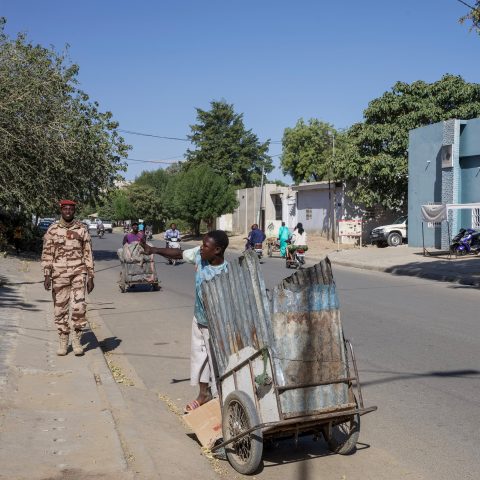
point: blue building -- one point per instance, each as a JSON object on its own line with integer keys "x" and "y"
{"x": 443, "y": 167}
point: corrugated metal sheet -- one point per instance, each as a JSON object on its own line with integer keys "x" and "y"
{"x": 308, "y": 339}
{"x": 238, "y": 309}
{"x": 300, "y": 322}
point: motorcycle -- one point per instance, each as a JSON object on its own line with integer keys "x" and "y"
{"x": 297, "y": 259}
{"x": 149, "y": 234}
{"x": 100, "y": 232}
{"x": 465, "y": 242}
{"x": 173, "y": 242}
{"x": 257, "y": 248}
{"x": 126, "y": 229}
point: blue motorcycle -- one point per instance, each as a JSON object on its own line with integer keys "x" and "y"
{"x": 467, "y": 241}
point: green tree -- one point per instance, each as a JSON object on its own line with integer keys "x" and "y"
{"x": 223, "y": 144}
{"x": 473, "y": 16}
{"x": 199, "y": 194}
{"x": 54, "y": 141}
{"x": 374, "y": 161}
{"x": 145, "y": 203}
{"x": 307, "y": 150}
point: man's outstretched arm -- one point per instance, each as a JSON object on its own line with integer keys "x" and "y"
{"x": 173, "y": 253}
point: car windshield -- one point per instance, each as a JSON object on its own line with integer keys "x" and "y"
{"x": 399, "y": 220}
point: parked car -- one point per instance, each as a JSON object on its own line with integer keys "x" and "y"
{"x": 394, "y": 234}
{"x": 44, "y": 224}
{"x": 108, "y": 224}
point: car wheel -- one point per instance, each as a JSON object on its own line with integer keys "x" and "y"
{"x": 394, "y": 239}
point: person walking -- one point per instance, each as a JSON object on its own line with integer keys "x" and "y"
{"x": 68, "y": 268}
{"x": 17, "y": 238}
{"x": 283, "y": 236}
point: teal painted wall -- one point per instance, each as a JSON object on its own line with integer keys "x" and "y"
{"x": 425, "y": 180}
{"x": 470, "y": 181}
{"x": 470, "y": 138}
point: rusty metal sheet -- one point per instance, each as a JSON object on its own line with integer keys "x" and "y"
{"x": 237, "y": 309}
{"x": 299, "y": 321}
{"x": 308, "y": 340}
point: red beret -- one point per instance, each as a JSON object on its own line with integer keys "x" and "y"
{"x": 66, "y": 202}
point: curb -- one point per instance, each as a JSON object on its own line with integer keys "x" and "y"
{"x": 401, "y": 271}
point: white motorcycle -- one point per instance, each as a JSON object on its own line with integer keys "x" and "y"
{"x": 173, "y": 242}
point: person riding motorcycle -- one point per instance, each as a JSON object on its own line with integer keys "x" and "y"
{"x": 255, "y": 236}
{"x": 171, "y": 233}
{"x": 100, "y": 227}
{"x": 298, "y": 241}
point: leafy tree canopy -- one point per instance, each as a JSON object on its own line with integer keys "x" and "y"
{"x": 473, "y": 16}
{"x": 200, "y": 194}
{"x": 54, "y": 142}
{"x": 307, "y": 150}
{"x": 375, "y": 158}
{"x": 223, "y": 144}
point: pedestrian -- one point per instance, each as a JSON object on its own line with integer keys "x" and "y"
{"x": 17, "y": 238}
{"x": 209, "y": 261}
{"x": 67, "y": 263}
{"x": 133, "y": 236}
{"x": 283, "y": 236}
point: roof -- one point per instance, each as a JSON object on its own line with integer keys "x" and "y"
{"x": 323, "y": 185}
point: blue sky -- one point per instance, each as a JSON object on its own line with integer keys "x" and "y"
{"x": 152, "y": 62}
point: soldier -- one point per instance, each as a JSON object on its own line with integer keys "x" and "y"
{"x": 67, "y": 263}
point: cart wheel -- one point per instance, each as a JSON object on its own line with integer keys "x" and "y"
{"x": 174, "y": 262}
{"x": 345, "y": 435}
{"x": 270, "y": 250}
{"x": 239, "y": 414}
{"x": 155, "y": 287}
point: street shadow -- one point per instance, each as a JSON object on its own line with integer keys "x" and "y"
{"x": 11, "y": 298}
{"x": 465, "y": 271}
{"x": 105, "y": 255}
{"x": 396, "y": 376}
{"x": 109, "y": 344}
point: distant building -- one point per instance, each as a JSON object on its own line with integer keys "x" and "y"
{"x": 443, "y": 167}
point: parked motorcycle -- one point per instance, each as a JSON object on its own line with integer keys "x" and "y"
{"x": 297, "y": 260}
{"x": 173, "y": 242}
{"x": 465, "y": 242}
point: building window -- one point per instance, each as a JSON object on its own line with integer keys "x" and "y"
{"x": 476, "y": 218}
{"x": 277, "y": 203}
{"x": 308, "y": 214}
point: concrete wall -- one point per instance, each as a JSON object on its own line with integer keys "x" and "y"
{"x": 249, "y": 203}
{"x": 430, "y": 182}
{"x": 318, "y": 202}
{"x": 425, "y": 181}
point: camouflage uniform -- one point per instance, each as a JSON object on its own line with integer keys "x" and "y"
{"x": 67, "y": 258}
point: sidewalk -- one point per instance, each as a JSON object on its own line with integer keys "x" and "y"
{"x": 404, "y": 260}
{"x": 55, "y": 420}
{"x": 401, "y": 260}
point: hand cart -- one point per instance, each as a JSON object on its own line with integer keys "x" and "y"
{"x": 284, "y": 365}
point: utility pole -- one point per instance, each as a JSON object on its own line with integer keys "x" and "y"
{"x": 261, "y": 198}
{"x": 331, "y": 201}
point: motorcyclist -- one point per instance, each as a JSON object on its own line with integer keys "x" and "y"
{"x": 298, "y": 241}
{"x": 255, "y": 236}
{"x": 172, "y": 232}
{"x": 100, "y": 226}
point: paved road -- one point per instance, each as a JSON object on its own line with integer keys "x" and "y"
{"x": 417, "y": 344}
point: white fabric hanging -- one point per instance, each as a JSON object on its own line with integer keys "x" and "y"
{"x": 434, "y": 213}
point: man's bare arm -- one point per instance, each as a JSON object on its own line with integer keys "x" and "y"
{"x": 173, "y": 253}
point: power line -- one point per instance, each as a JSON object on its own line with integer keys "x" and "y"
{"x": 154, "y": 136}
{"x": 466, "y": 4}
{"x": 131, "y": 132}
{"x": 164, "y": 162}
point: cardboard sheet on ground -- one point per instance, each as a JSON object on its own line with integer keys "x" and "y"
{"x": 206, "y": 422}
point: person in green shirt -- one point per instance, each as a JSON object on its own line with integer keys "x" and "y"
{"x": 283, "y": 236}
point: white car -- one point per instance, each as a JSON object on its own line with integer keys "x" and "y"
{"x": 394, "y": 234}
{"x": 107, "y": 224}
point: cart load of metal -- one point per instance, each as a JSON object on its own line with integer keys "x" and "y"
{"x": 284, "y": 367}
{"x": 136, "y": 267}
